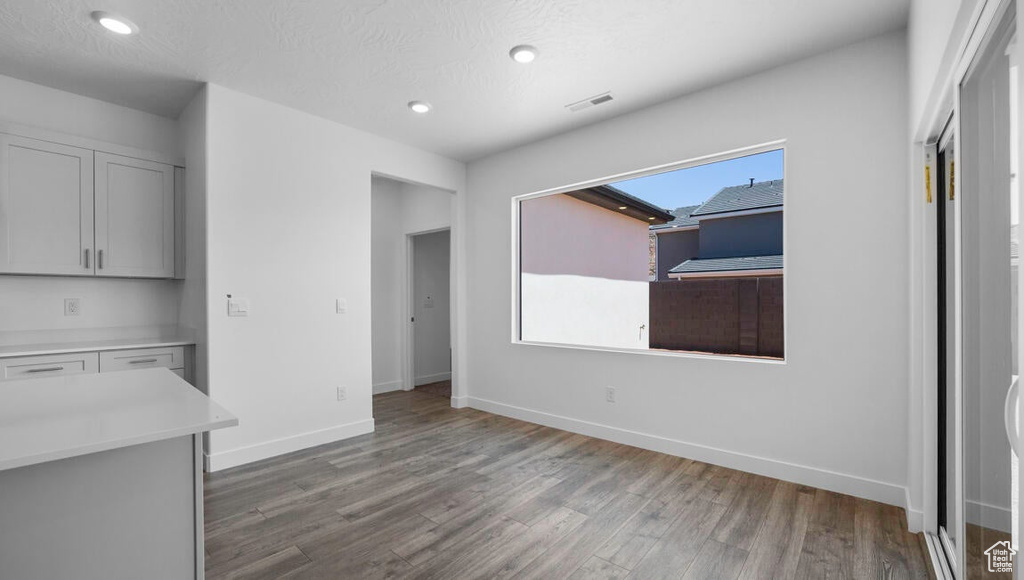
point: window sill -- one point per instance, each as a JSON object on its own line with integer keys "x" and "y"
{"x": 663, "y": 353}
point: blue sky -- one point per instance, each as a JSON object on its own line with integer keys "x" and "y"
{"x": 694, "y": 185}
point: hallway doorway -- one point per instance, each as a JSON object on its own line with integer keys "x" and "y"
{"x": 412, "y": 289}
{"x": 430, "y": 295}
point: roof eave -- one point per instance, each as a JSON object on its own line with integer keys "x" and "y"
{"x": 739, "y": 212}
{"x": 760, "y": 273}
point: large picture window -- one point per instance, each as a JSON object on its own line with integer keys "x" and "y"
{"x": 685, "y": 260}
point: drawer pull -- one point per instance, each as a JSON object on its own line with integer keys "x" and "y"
{"x": 142, "y": 361}
{"x": 45, "y": 370}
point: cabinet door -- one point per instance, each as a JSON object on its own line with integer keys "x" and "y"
{"x": 51, "y": 365}
{"x": 134, "y": 217}
{"x": 142, "y": 358}
{"x": 46, "y": 208}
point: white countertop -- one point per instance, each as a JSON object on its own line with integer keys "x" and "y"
{"x": 55, "y": 418}
{"x": 13, "y": 344}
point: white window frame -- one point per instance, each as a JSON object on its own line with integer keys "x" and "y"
{"x": 516, "y": 273}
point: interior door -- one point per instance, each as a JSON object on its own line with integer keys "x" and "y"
{"x": 134, "y": 217}
{"x": 46, "y": 208}
{"x": 987, "y": 210}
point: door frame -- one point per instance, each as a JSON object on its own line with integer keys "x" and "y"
{"x": 982, "y": 25}
{"x": 457, "y": 266}
{"x": 409, "y": 308}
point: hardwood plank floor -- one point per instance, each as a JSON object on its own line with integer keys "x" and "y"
{"x": 437, "y": 492}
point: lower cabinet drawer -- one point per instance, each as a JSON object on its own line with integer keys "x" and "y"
{"x": 51, "y": 365}
{"x": 144, "y": 358}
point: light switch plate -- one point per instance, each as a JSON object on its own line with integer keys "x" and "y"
{"x": 238, "y": 307}
{"x": 341, "y": 305}
{"x": 72, "y": 306}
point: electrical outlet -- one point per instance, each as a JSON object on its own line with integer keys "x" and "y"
{"x": 609, "y": 394}
{"x": 341, "y": 393}
{"x": 72, "y": 306}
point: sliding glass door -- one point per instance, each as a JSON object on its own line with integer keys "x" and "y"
{"x": 950, "y": 512}
{"x": 979, "y": 323}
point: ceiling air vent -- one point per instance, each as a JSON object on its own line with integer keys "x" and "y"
{"x": 589, "y": 102}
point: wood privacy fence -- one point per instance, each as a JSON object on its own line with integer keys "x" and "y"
{"x": 723, "y": 316}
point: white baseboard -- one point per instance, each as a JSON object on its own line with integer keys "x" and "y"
{"x": 427, "y": 379}
{"x": 988, "y": 516}
{"x": 460, "y": 402}
{"x": 915, "y": 517}
{"x": 382, "y": 388}
{"x": 879, "y": 491}
{"x": 241, "y": 456}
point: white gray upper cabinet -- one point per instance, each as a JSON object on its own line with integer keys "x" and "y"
{"x": 134, "y": 217}
{"x": 46, "y": 208}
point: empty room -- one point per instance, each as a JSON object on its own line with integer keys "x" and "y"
{"x": 545, "y": 289}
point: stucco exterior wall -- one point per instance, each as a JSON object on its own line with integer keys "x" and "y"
{"x": 749, "y": 235}
{"x": 562, "y": 235}
{"x": 675, "y": 248}
{"x": 584, "y": 274}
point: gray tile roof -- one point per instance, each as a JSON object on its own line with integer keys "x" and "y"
{"x": 682, "y": 219}
{"x": 743, "y": 197}
{"x": 728, "y": 264}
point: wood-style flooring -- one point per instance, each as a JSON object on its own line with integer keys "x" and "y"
{"x": 438, "y": 389}
{"x": 442, "y": 493}
{"x": 978, "y": 540}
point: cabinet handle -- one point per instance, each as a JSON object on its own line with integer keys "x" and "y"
{"x": 99, "y": 259}
{"x": 45, "y": 370}
{"x": 142, "y": 361}
{"x": 87, "y": 258}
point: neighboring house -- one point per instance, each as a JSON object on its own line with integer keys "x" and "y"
{"x": 735, "y": 233}
{"x": 676, "y": 241}
{"x": 583, "y": 262}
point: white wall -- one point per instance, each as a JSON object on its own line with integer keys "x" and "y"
{"x": 584, "y": 274}
{"x": 431, "y": 307}
{"x": 45, "y": 108}
{"x": 288, "y": 222}
{"x": 834, "y": 414}
{"x": 398, "y": 209}
{"x": 387, "y": 274}
{"x": 193, "y": 307}
{"x": 425, "y": 208}
{"x": 36, "y": 303}
{"x": 934, "y": 33}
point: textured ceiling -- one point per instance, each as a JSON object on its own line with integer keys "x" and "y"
{"x": 360, "y": 61}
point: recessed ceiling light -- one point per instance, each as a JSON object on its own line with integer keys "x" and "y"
{"x": 622, "y": 207}
{"x": 114, "y": 23}
{"x": 419, "y": 107}
{"x": 651, "y": 218}
{"x": 524, "y": 53}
